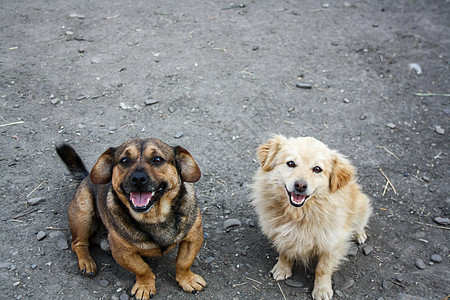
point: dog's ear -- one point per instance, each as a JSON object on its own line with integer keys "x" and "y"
{"x": 101, "y": 173}
{"x": 266, "y": 152}
{"x": 186, "y": 165}
{"x": 342, "y": 172}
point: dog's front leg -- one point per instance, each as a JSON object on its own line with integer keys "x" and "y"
{"x": 326, "y": 264}
{"x": 145, "y": 287}
{"x": 187, "y": 251}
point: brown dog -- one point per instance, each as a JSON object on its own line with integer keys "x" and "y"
{"x": 141, "y": 192}
{"x": 309, "y": 205}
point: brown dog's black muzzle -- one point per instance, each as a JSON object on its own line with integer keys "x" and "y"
{"x": 140, "y": 181}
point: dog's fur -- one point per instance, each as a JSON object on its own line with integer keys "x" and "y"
{"x": 141, "y": 193}
{"x": 309, "y": 205}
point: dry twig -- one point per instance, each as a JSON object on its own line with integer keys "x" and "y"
{"x": 388, "y": 182}
{"x": 391, "y": 153}
{"x": 279, "y": 286}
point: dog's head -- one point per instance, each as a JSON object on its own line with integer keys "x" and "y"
{"x": 304, "y": 166}
{"x": 143, "y": 171}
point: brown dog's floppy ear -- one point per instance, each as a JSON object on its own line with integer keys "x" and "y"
{"x": 341, "y": 173}
{"x": 186, "y": 165}
{"x": 101, "y": 173}
{"x": 266, "y": 152}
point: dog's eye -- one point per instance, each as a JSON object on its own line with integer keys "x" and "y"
{"x": 158, "y": 160}
{"x": 317, "y": 169}
{"x": 125, "y": 161}
{"x": 290, "y": 164}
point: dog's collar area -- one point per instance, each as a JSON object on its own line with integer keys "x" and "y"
{"x": 296, "y": 199}
{"x": 143, "y": 201}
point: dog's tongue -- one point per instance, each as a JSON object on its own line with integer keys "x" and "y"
{"x": 140, "y": 199}
{"x": 297, "y": 198}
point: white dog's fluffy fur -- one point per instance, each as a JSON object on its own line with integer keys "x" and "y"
{"x": 309, "y": 206}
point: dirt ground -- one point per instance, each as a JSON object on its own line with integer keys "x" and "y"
{"x": 218, "y": 79}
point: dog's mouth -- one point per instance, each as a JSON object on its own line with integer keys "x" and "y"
{"x": 297, "y": 200}
{"x": 143, "y": 201}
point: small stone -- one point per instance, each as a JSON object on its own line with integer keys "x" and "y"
{"x": 69, "y": 32}
{"x": 391, "y": 125}
{"x": 440, "y": 130}
{"x": 41, "y": 235}
{"x": 339, "y": 293}
{"x": 95, "y": 60}
{"x": 348, "y": 284}
{"x": 426, "y": 179}
{"x": 81, "y": 49}
{"x": 150, "y": 101}
{"x": 62, "y": 244}
{"x": 104, "y": 283}
{"x": 346, "y": 100}
{"x": 76, "y": 16}
{"x": 325, "y": 5}
{"x": 231, "y": 223}
{"x": 442, "y": 221}
{"x": 293, "y": 283}
{"x": 255, "y": 48}
{"x": 33, "y": 266}
{"x": 178, "y": 135}
{"x": 250, "y": 223}
{"x": 436, "y": 258}
{"x": 420, "y": 264}
{"x": 36, "y": 201}
{"x": 54, "y": 101}
{"x": 302, "y": 85}
{"x": 386, "y": 285}
{"x": 209, "y": 259}
{"x": 352, "y": 251}
{"x": 124, "y": 296}
{"x": 16, "y": 283}
{"x": 367, "y": 250}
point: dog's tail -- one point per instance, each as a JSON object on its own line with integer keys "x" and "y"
{"x": 72, "y": 161}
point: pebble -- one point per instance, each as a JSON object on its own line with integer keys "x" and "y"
{"x": 36, "y": 201}
{"x": 348, "y": 284}
{"x": 416, "y": 67}
{"x": 33, "y": 266}
{"x": 440, "y": 130}
{"x": 293, "y": 283}
{"x": 54, "y": 101}
{"x": 178, "y": 135}
{"x": 250, "y": 223}
{"x": 104, "y": 283}
{"x": 150, "y": 101}
{"x": 81, "y": 49}
{"x": 231, "y": 223}
{"x": 346, "y": 100}
{"x": 436, "y": 258}
{"x": 41, "y": 235}
{"x": 339, "y": 293}
{"x": 391, "y": 125}
{"x": 367, "y": 250}
{"x": 352, "y": 251}
{"x": 420, "y": 264}
{"x": 95, "y": 60}
{"x": 325, "y": 5}
{"x": 386, "y": 285}
{"x": 442, "y": 221}
{"x": 209, "y": 259}
{"x": 301, "y": 85}
{"x": 76, "y": 16}
{"x": 124, "y": 296}
{"x": 62, "y": 244}
{"x": 426, "y": 179}
{"x": 70, "y": 32}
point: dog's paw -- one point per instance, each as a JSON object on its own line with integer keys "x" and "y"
{"x": 281, "y": 272}
{"x": 191, "y": 282}
{"x": 143, "y": 291}
{"x": 322, "y": 293}
{"x": 87, "y": 266}
{"x": 361, "y": 237}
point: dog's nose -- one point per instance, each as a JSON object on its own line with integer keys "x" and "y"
{"x": 300, "y": 186}
{"x": 139, "y": 179}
